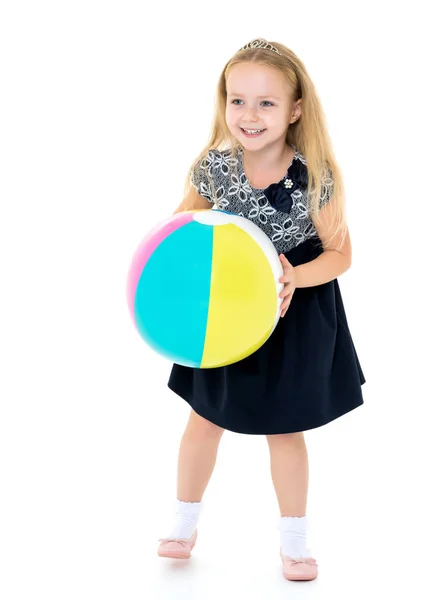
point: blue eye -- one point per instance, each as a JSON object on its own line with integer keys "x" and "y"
{"x": 271, "y": 103}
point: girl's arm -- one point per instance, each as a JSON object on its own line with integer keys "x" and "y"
{"x": 193, "y": 201}
{"x": 332, "y": 263}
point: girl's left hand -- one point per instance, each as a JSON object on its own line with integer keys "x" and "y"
{"x": 289, "y": 280}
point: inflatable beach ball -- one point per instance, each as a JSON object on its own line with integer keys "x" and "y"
{"x": 203, "y": 288}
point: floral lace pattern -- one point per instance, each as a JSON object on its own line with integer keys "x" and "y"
{"x": 280, "y": 210}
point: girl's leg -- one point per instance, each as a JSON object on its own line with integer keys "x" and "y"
{"x": 196, "y": 461}
{"x": 290, "y": 476}
{"x": 290, "y": 472}
{"x": 197, "y": 457}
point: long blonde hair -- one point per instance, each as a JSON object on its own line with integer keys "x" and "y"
{"x": 308, "y": 134}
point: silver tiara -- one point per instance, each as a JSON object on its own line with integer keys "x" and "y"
{"x": 260, "y": 43}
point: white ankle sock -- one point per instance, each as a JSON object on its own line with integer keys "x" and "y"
{"x": 185, "y": 521}
{"x": 293, "y": 536}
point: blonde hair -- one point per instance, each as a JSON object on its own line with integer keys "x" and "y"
{"x": 308, "y": 134}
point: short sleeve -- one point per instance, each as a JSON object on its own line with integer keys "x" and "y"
{"x": 327, "y": 188}
{"x": 201, "y": 177}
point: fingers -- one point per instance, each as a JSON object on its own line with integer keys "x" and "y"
{"x": 285, "y": 304}
{"x": 285, "y": 279}
{"x": 284, "y": 311}
{"x": 285, "y": 292}
{"x": 286, "y": 271}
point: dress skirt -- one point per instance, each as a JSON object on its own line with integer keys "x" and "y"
{"x": 304, "y": 376}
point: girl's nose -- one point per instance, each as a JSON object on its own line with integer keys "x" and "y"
{"x": 251, "y": 114}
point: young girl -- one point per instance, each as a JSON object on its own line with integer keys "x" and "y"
{"x": 270, "y": 160}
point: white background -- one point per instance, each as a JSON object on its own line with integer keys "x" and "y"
{"x": 103, "y": 107}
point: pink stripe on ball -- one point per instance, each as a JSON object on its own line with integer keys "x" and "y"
{"x": 146, "y": 249}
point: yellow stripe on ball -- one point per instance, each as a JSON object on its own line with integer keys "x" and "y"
{"x": 243, "y": 300}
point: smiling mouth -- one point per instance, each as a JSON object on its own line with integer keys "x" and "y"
{"x": 252, "y": 132}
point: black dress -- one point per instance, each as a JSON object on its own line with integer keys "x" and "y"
{"x": 307, "y": 373}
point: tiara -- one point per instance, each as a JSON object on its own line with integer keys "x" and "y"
{"x": 260, "y": 43}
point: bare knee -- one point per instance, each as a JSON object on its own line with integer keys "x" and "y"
{"x": 200, "y": 428}
{"x": 292, "y": 439}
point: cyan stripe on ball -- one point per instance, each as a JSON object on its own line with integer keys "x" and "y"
{"x": 173, "y": 294}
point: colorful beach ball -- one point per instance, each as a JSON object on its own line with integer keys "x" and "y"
{"x": 203, "y": 288}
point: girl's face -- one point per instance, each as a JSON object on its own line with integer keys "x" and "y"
{"x": 258, "y": 97}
